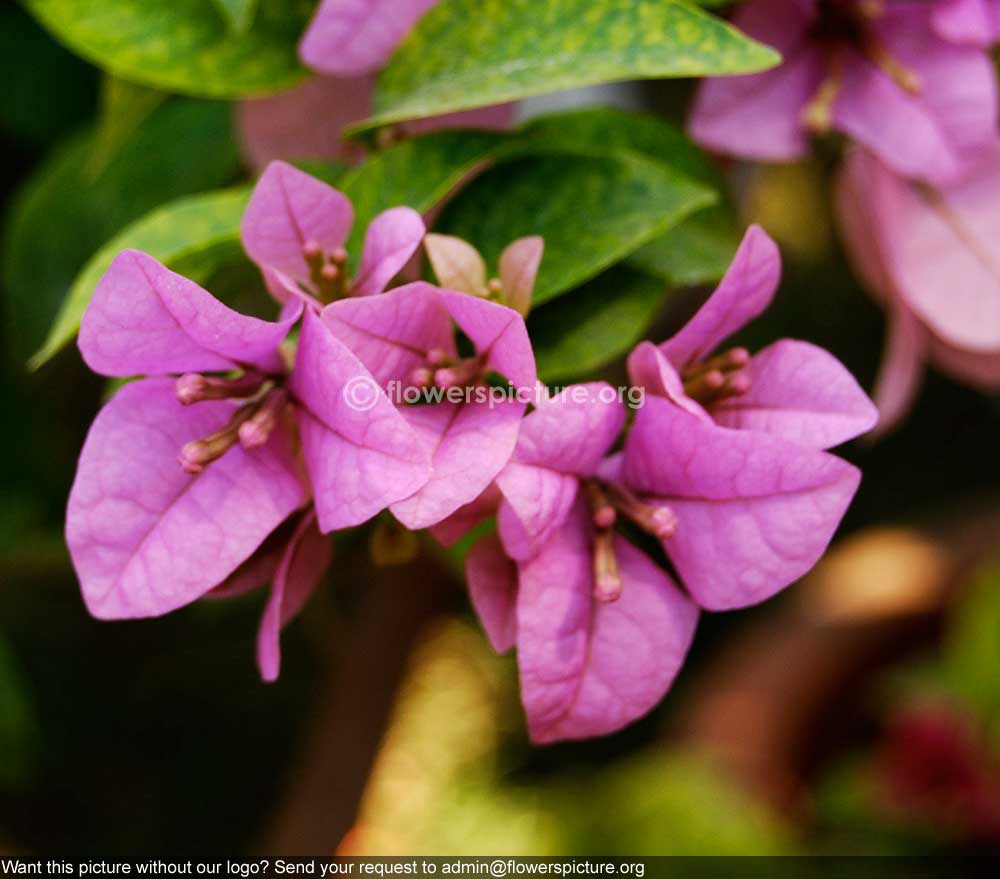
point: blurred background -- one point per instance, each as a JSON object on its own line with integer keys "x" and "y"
{"x": 859, "y": 712}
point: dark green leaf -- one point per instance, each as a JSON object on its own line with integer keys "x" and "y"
{"x": 124, "y": 107}
{"x": 472, "y": 53}
{"x": 696, "y": 251}
{"x": 183, "y": 45}
{"x": 592, "y": 211}
{"x": 972, "y": 648}
{"x": 193, "y": 234}
{"x": 579, "y": 333}
{"x": 62, "y": 215}
{"x": 49, "y": 92}
{"x": 18, "y": 727}
{"x": 418, "y": 173}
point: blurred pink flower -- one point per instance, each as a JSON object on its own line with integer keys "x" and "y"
{"x": 930, "y": 257}
{"x": 877, "y": 70}
{"x": 347, "y": 43}
{"x": 976, "y": 22}
{"x": 937, "y": 767}
{"x": 791, "y": 389}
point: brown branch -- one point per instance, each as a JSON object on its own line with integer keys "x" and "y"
{"x": 355, "y": 703}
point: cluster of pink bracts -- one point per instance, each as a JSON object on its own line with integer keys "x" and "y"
{"x": 913, "y": 85}
{"x": 222, "y": 469}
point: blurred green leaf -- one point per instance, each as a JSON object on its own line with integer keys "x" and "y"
{"x": 668, "y": 803}
{"x": 124, "y": 107}
{"x": 17, "y": 723}
{"x": 971, "y": 659}
{"x": 472, "y": 53}
{"x": 189, "y": 228}
{"x": 185, "y": 46}
{"x": 592, "y": 211}
{"x": 48, "y": 90}
{"x": 239, "y": 13}
{"x": 598, "y": 323}
{"x": 61, "y": 215}
{"x": 696, "y": 251}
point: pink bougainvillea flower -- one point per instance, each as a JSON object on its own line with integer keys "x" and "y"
{"x": 347, "y": 42}
{"x": 930, "y": 256}
{"x": 295, "y": 228}
{"x": 406, "y": 338}
{"x": 185, "y": 473}
{"x": 791, "y": 389}
{"x": 308, "y": 121}
{"x": 878, "y": 72}
{"x": 976, "y": 22}
{"x": 601, "y": 631}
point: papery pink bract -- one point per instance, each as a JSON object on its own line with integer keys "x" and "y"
{"x": 929, "y": 255}
{"x": 755, "y": 512}
{"x": 397, "y": 334}
{"x": 925, "y": 104}
{"x": 791, "y": 389}
{"x": 361, "y": 454}
{"x": 352, "y": 37}
{"x": 147, "y": 537}
{"x": 291, "y": 211}
{"x": 296, "y": 575}
{"x": 589, "y": 668}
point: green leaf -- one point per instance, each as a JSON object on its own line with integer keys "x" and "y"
{"x": 62, "y": 216}
{"x": 49, "y": 92}
{"x": 124, "y": 107}
{"x": 418, "y": 173}
{"x": 239, "y": 13}
{"x": 187, "y": 230}
{"x": 972, "y": 646}
{"x": 696, "y": 251}
{"x": 472, "y": 53}
{"x": 592, "y": 211}
{"x": 184, "y": 46}
{"x": 579, "y": 333}
{"x": 196, "y": 235}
